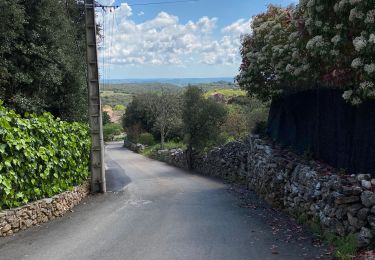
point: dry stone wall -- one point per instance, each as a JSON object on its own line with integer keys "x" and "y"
{"x": 41, "y": 211}
{"x": 342, "y": 204}
{"x": 134, "y": 147}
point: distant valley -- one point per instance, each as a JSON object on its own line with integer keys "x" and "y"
{"x": 174, "y": 81}
{"x": 116, "y": 92}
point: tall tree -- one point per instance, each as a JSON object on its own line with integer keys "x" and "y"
{"x": 167, "y": 111}
{"x": 43, "y": 62}
{"x": 156, "y": 113}
{"x": 202, "y": 119}
{"x": 139, "y": 112}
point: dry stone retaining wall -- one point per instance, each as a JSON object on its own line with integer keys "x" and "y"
{"x": 41, "y": 211}
{"x": 342, "y": 204}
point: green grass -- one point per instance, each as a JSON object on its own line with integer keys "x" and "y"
{"x": 345, "y": 247}
{"x": 112, "y": 98}
{"x": 315, "y": 228}
{"x": 234, "y": 92}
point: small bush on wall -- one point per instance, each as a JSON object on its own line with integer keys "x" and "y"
{"x": 40, "y": 156}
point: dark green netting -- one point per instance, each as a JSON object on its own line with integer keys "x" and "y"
{"x": 321, "y": 124}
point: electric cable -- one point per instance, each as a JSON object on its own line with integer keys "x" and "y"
{"x": 111, "y": 46}
{"x": 145, "y": 4}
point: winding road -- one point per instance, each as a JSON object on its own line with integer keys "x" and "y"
{"x": 156, "y": 211}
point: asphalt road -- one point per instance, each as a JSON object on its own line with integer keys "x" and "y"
{"x": 160, "y": 212}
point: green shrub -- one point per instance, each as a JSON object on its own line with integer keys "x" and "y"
{"x": 133, "y": 133}
{"x": 147, "y": 139}
{"x": 40, "y": 156}
{"x": 111, "y": 130}
{"x": 119, "y": 108}
{"x": 106, "y": 118}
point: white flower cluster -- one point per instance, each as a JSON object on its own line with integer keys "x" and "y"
{"x": 357, "y": 63}
{"x": 372, "y": 38}
{"x": 370, "y": 17}
{"x": 316, "y": 42}
{"x": 339, "y": 26}
{"x": 353, "y": 2}
{"x": 336, "y": 39}
{"x": 355, "y": 101}
{"x": 366, "y": 85}
{"x": 355, "y": 14}
{"x": 347, "y": 94}
{"x": 359, "y": 43}
{"x": 340, "y": 5}
{"x": 369, "y": 68}
{"x": 306, "y": 46}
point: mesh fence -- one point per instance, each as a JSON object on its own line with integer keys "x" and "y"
{"x": 319, "y": 123}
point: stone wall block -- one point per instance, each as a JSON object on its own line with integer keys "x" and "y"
{"x": 14, "y": 220}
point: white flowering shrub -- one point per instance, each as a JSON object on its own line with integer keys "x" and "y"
{"x": 328, "y": 43}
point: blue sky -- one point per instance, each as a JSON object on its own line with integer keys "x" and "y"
{"x": 181, "y": 40}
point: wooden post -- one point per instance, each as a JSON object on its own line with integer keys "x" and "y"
{"x": 98, "y": 183}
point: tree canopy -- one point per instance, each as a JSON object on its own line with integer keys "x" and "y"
{"x": 42, "y": 64}
{"x": 201, "y": 118}
{"x": 158, "y": 114}
{"x": 318, "y": 43}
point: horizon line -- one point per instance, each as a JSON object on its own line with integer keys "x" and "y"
{"x": 172, "y": 78}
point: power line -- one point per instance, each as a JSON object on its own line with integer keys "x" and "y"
{"x": 103, "y": 52}
{"x": 144, "y": 4}
{"x": 110, "y": 48}
{"x": 106, "y": 70}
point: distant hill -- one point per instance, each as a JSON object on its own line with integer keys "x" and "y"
{"x": 177, "y": 81}
{"x": 122, "y": 93}
{"x": 138, "y": 88}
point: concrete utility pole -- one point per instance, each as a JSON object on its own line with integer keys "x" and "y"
{"x": 98, "y": 183}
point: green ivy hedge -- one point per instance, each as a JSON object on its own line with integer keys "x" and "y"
{"x": 40, "y": 156}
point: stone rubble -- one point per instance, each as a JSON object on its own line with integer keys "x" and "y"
{"x": 41, "y": 211}
{"x": 342, "y": 204}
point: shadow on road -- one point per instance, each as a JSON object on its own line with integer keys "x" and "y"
{"x": 115, "y": 177}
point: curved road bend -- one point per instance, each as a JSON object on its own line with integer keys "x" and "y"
{"x": 163, "y": 213}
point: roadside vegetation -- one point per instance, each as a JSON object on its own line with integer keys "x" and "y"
{"x": 112, "y": 132}
{"x": 40, "y": 156}
{"x": 152, "y": 150}
{"x": 193, "y": 118}
{"x": 316, "y": 44}
{"x": 43, "y": 57}
{"x": 42, "y": 79}
{"x": 110, "y": 98}
{"x": 114, "y": 94}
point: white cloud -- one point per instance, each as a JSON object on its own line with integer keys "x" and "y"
{"x": 107, "y": 2}
{"x": 226, "y": 50}
{"x": 239, "y": 27}
{"x": 124, "y": 10}
{"x": 141, "y": 13}
{"x": 164, "y": 40}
